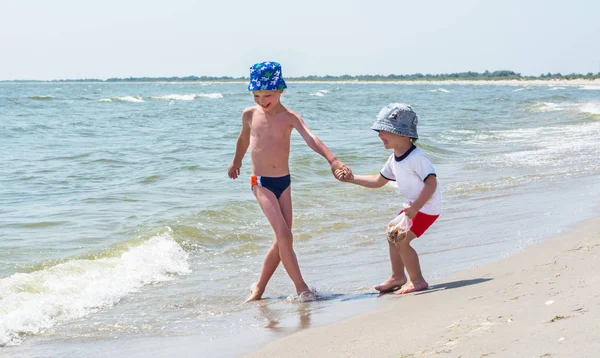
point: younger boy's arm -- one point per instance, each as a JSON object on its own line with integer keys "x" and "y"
{"x": 368, "y": 181}
{"x": 426, "y": 194}
{"x": 241, "y": 146}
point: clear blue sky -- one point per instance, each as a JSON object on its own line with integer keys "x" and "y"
{"x": 59, "y": 39}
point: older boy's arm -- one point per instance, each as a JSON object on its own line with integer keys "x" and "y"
{"x": 368, "y": 181}
{"x": 241, "y": 146}
{"x": 426, "y": 194}
{"x": 317, "y": 145}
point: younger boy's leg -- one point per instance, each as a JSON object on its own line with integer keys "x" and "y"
{"x": 274, "y": 211}
{"x": 398, "y": 278}
{"x": 413, "y": 267}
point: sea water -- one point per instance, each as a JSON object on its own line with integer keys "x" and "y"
{"x": 120, "y": 231}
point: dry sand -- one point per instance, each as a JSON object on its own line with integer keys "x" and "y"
{"x": 543, "y": 302}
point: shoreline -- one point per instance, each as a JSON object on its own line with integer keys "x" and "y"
{"x": 542, "y": 301}
{"x": 524, "y": 82}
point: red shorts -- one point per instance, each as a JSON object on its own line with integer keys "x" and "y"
{"x": 421, "y": 222}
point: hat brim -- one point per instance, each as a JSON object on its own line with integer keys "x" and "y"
{"x": 405, "y": 131}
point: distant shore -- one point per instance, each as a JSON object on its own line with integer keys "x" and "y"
{"x": 557, "y": 82}
{"x": 511, "y": 82}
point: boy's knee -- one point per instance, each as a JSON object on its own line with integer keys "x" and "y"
{"x": 405, "y": 242}
{"x": 283, "y": 236}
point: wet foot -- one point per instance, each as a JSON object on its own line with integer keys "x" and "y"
{"x": 389, "y": 285}
{"x": 255, "y": 293}
{"x": 306, "y": 295}
{"x": 412, "y": 287}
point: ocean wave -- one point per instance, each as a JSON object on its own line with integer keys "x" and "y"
{"x": 187, "y": 97}
{"x": 591, "y": 108}
{"x": 210, "y": 95}
{"x": 591, "y": 88}
{"x": 320, "y": 93}
{"x": 587, "y": 107}
{"x": 440, "y": 90}
{"x": 41, "y": 98}
{"x": 135, "y": 99}
{"x": 32, "y": 302}
{"x": 550, "y": 149}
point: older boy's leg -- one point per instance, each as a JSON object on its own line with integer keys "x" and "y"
{"x": 269, "y": 266}
{"x": 413, "y": 267}
{"x": 398, "y": 278}
{"x": 272, "y": 258}
{"x": 283, "y": 234}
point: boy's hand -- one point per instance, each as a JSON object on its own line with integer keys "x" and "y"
{"x": 234, "y": 170}
{"x": 340, "y": 170}
{"x": 410, "y": 212}
{"x": 344, "y": 174}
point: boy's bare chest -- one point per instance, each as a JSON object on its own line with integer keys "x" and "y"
{"x": 270, "y": 129}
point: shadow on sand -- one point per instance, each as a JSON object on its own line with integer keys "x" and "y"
{"x": 443, "y": 286}
{"x": 453, "y": 284}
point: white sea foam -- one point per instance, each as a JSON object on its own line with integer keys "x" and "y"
{"x": 556, "y": 88}
{"x": 210, "y": 95}
{"x": 320, "y": 93}
{"x": 550, "y": 107}
{"x": 590, "y": 107}
{"x": 440, "y": 90}
{"x": 129, "y": 99}
{"x": 177, "y": 97}
{"x": 32, "y": 302}
{"x": 550, "y": 147}
{"x": 591, "y": 88}
{"x": 188, "y": 97}
{"x": 135, "y": 99}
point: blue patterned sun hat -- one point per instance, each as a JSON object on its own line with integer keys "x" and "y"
{"x": 266, "y": 76}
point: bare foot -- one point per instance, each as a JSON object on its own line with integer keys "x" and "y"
{"x": 308, "y": 295}
{"x": 389, "y": 285}
{"x": 255, "y": 293}
{"x": 413, "y": 287}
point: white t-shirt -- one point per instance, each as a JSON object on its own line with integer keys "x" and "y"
{"x": 409, "y": 172}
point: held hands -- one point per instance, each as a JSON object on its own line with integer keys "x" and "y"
{"x": 234, "y": 170}
{"x": 340, "y": 171}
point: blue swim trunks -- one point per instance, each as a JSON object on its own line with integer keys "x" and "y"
{"x": 276, "y": 185}
{"x": 266, "y": 76}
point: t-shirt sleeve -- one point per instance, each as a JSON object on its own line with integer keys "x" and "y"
{"x": 388, "y": 169}
{"x": 423, "y": 167}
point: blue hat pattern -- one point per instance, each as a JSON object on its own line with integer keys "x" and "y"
{"x": 266, "y": 76}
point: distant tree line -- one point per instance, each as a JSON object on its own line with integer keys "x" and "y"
{"x": 469, "y": 76}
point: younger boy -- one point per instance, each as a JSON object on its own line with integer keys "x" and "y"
{"x": 266, "y": 129}
{"x": 416, "y": 179}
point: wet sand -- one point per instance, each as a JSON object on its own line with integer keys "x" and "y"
{"x": 542, "y": 302}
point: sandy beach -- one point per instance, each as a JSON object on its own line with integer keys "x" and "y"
{"x": 542, "y": 302}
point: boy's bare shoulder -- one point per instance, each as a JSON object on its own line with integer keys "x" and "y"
{"x": 248, "y": 112}
{"x": 292, "y": 115}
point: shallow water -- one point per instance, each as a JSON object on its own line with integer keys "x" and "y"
{"x": 118, "y": 221}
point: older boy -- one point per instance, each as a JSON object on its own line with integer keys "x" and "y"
{"x": 266, "y": 129}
